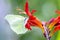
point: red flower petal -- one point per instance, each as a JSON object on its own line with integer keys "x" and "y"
{"x": 33, "y": 11}
{"x": 27, "y": 9}
{"x": 57, "y": 28}
{"x": 34, "y": 21}
{"x": 57, "y": 23}
{"x": 28, "y": 26}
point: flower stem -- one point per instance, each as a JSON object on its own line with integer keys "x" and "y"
{"x": 46, "y": 32}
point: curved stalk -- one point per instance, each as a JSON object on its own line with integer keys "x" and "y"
{"x": 46, "y": 32}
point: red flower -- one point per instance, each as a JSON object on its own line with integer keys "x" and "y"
{"x": 55, "y": 23}
{"x": 32, "y": 20}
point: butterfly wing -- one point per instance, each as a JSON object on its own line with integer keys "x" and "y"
{"x": 16, "y": 23}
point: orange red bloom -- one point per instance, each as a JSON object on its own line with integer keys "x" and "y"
{"x": 32, "y": 20}
{"x": 55, "y": 24}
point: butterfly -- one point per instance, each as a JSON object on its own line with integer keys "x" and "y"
{"x": 17, "y": 23}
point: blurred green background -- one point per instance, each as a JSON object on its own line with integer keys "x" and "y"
{"x": 45, "y": 11}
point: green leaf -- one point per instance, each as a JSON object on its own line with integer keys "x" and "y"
{"x": 16, "y": 23}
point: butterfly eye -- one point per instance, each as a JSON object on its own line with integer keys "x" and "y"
{"x": 25, "y": 21}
